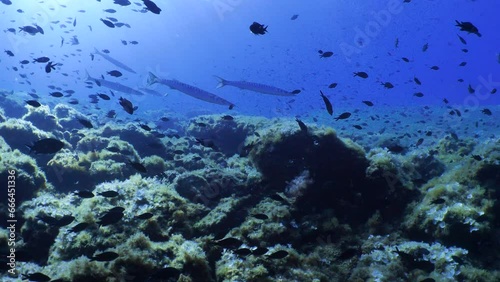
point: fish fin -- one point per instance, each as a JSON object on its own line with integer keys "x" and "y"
{"x": 152, "y": 79}
{"x": 222, "y": 82}
{"x": 88, "y": 77}
{"x": 30, "y": 147}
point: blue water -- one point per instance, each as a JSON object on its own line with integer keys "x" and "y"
{"x": 193, "y": 40}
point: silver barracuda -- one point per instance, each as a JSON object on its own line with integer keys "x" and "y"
{"x": 190, "y": 90}
{"x": 256, "y": 87}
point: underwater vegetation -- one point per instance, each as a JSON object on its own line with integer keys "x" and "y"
{"x": 149, "y": 141}
{"x": 265, "y": 200}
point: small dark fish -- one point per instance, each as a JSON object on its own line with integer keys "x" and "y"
{"x": 56, "y": 94}
{"x": 33, "y": 103}
{"x": 434, "y": 68}
{"x": 468, "y": 27}
{"x": 405, "y": 59}
{"x": 144, "y": 216}
{"x": 105, "y": 256}
{"x": 302, "y": 125}
{"x": 65, "y": 220}
{"x": 229, "y": 243}
{"x": 493, "y": 91}
{"x": 458, "y": 112}
{"x": 243, "y": 252}
{"x": 37, "y": 276}
{"x": 46, "y": 146}
{"x": 326, "y": 54}
{"x": 108, "y": 23}
{"x": 113, "y": 149}
{"x": 361, "y": 74}
{"x": 127, "y": 105}
{"x": 357, "y": 126}
{"x": 9, "y": 53}
{"x": 333, "y": 85}
{"x": 278, "y": 255}
{"x": 486, "y": 112}
{"x": 438, "y": 201}
{"x": 84, "y": 194}
{"x": 111, "y": 114}
{"x": 417, "y": 81}
{"x": 79, "y": 227}
{"x": 115, "y": 73}
{"x": 344, "y": 115}
{"x": 227, "y": 117}
{"x": 257, "y": 28}
{"x": 259, "y": 251}
{"x": 396, "y": 149}
{"x": 368, "y": 103}
{"x": 260, "y": 216}
{"x": 138, "y": 166}
{"x": 24, "y": 62}
{"x": 477, "y": 157}
{"x": 418, "y": 94}
{"x": 133, "y": 42}
{"x": 108, "y": 194}
{"x": 145, "y": 127}
{"x": 85, "y": 123}
{"x": 470, "y": 89}
{"x": 103, "y": 96}
{"x": 111, "y": 217}
{"x": 425, "y": 47}
{"x": 50, "y": 67}
{"x": 41, "y": 60}
{"x": 460, "y": 80}
{"x": 462, "y": 64}
{"x": 387, "y": 85}
{"x": 396, "y": 43}
{"x": 152, "y": 7}
{"x": 294, "y": 17}
{"x": 465, "y": 50}
{"x": 462, "y": 40}
{"x": 328, "y": 105}
{"x": 419, "y": 142}
{"x": 428, "y": 280}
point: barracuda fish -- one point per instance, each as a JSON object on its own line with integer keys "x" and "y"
{"x": 114, "y": 85}
{"x": 190, "y": 90}
{"x": 153, "y": 92}
{"x": 256, "y": 87}
{"x": 114, "y": 61}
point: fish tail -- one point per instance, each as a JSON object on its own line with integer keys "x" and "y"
{"x": 222, "y": 82}
{"x": 152, "y": 79}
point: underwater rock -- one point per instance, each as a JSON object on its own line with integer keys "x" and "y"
{"x": 42, "y": 118}
{"x": 228, "y": 134}
{"x": 337, "y": 173}
{"x": 29, "y": 177}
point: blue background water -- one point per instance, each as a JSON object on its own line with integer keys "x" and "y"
{"x": 192, "y": 40}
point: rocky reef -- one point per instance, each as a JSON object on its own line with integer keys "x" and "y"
{"x": 247, "y": 199}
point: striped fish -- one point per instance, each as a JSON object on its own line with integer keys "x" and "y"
{"x": 190, "y": 90}
{"x": 114, "y": 61}
{"x": 256, "y": 87}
